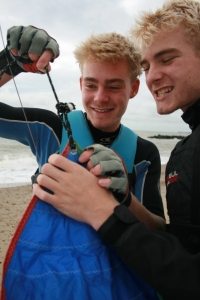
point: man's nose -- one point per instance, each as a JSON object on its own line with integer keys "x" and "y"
{"x": 101, "y": 95}
{"x": 153, "y": 75}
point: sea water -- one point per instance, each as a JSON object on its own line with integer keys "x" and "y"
{"x": 18, "y": 164}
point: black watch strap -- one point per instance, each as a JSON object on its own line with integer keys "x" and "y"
{"x": 117, "y": 223}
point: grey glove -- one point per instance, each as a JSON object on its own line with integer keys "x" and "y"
{"x": 113, "y": 167}
{"x": 31, "y": 39}
{"x": 26, "y": 40}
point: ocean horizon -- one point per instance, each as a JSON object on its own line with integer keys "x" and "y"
{"x": 18, "y": 164}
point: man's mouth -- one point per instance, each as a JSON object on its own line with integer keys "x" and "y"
{"x": 164, "y": 91}
{"x": 102, "y": 110}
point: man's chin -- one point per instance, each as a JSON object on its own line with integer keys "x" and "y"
{"x": 161, "y": 110}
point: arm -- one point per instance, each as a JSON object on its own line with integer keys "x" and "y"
{"x": 150, "y": 219}
{"x": 156, "y": 256}
{"x": 45, "y": 127}
{"x": 15, "y": 116}
{"x": 4, "y": 79}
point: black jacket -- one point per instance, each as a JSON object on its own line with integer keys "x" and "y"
{"x": 157, "y": 256}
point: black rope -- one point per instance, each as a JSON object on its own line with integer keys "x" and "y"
{"x": 63, "y": 109}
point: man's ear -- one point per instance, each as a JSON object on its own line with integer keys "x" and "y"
{"x": 135, "y": 88}
{"x": 81, "y": 82}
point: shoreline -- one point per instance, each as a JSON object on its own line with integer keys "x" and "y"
{"x": 14, "y": 201}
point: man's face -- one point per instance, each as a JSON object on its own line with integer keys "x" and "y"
{"x": 106, "y": 89}
{"x": 172, "y": 70}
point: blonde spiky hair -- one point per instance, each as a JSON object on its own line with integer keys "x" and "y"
{"x": 173, "y": 13}
{"x": 109, "y": 47}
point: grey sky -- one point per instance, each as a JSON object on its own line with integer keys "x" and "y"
{"x": 70, "y": 22}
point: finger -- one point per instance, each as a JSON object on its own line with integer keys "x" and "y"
{"x": 43, "y": 194}
{"x": 51, "y": 171}
{"x": 13, "y": 36}
{"x": 104, "y": 182}
{"x": 96, "y": 170}
{"x": 25, "y": 40}
{"x": 44, "y": 60}
{"x": 33, "y": 57}
{"x": 104, "y": 156}
{"x": 46, "y": 181}
{"x": 85, "y": 156}
{"x": 111, "y": 166}
{"x": 63, "y": 163}
{"x": 14, "y": 52}
{"x": 118, "y": 184}
{"x": 38, "y": 42}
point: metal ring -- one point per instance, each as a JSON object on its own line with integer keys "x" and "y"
{"x": 34, "y": 178}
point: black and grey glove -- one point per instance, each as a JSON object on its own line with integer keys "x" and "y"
{"x": 113, "y": 167}
{"x": 26, "y": 40}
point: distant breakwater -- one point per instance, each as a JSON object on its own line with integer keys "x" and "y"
{"x": 160, "y": 136}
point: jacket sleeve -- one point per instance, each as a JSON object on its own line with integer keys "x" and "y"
{"x": 41, "y": 131}
{"x": 45, "y": 116}
{"x": 156, "y": 256}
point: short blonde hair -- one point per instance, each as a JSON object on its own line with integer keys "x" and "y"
{"x": 170, "y": 16}
{"x": 109, "y": 47}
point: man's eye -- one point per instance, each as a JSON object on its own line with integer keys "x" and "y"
{"x": 114, "y": 87}
{"x": 90, "y": 86}
{"x": 168, "y": 59}
{"x": 145, "y": 69}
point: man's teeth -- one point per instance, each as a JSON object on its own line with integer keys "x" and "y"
{"x": 164, "y": 91}
{"x": 102, "y": 110}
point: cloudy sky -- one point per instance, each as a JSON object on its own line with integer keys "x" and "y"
{"x": 70, "y": 22}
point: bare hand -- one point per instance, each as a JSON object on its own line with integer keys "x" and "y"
{"x": 76, "y": 192}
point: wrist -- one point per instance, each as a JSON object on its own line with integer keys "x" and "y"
{"x": 102, "y": 216}
{"x": 8, "y": 64}
{"x": 117, "y": 223}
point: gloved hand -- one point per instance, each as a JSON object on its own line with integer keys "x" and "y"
{"x": 24, "y": 41}
{"x": 113, "y": 167}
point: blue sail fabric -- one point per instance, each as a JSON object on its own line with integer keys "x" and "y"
{"x": 59, "y": 258}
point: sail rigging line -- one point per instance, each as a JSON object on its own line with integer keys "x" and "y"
{"x": 23, "y": 110}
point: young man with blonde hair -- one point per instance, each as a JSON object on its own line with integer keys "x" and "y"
{"x": 110, "y": 67}
{"x": 169, "y": 40}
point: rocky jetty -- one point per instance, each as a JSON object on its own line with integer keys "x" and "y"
{"x": 160, "y": 136}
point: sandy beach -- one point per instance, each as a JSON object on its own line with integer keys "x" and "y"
{"x": 14, "y": 201}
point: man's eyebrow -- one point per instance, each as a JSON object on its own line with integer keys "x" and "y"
{"x": 107, "y": 80}
{"x": 114, "y": 80}
{"x": 90, "y": 79}
{"x": 160, "y": 53}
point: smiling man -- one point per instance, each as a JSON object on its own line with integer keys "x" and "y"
{"x": 171, "y": 63}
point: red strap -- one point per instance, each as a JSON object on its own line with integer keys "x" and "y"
{"x": 15, "y": 239}
{"x": 31, "y": 67}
